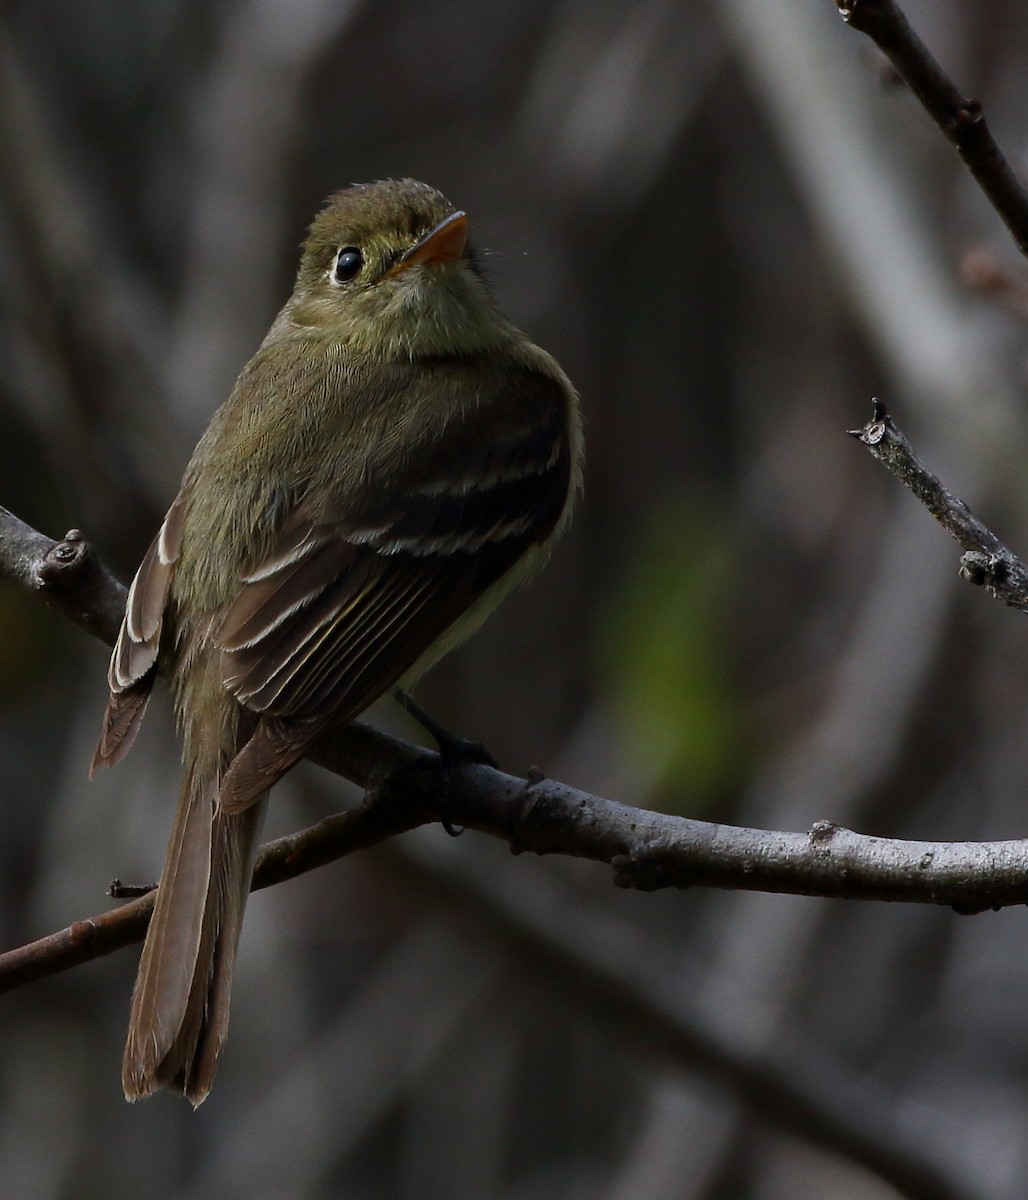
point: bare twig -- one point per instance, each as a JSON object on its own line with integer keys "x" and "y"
{"x": 987, "y": 562}
{"x": 960, "y": 119}
{"x": 93, "y": 937}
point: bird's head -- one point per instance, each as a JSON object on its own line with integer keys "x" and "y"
{"x": 387, "y": 269}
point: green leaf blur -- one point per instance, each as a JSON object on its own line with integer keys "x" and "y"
{"x": 663, "y": 649}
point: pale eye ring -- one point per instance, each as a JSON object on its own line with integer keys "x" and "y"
{"x": 348, "y": 263}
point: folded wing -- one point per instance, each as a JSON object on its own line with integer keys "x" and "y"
{"x": 342, "y": 609}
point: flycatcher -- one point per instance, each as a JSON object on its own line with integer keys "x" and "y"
{"x": 392, "y": 460}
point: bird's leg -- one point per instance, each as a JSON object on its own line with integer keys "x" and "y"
{"x": 453, "y": 752}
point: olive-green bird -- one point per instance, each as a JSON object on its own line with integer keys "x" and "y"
{"x": 392, "y": 460}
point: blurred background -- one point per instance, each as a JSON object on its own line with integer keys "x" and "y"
{"x": 732, "y": 227}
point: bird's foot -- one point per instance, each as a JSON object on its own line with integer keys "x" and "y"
{"x": 454, "y": 752}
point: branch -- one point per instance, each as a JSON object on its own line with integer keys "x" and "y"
{"x": 647, "y": 850}
{"x": 960, "y": 119}
{"x": 987, "y": 562}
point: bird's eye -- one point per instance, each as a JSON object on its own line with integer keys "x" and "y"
{"x": 349, "y": 261}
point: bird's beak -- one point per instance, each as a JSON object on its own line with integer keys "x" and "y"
{"x": 441, "y": 244}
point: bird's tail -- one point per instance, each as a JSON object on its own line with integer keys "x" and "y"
{"x": 180, "y": 1005}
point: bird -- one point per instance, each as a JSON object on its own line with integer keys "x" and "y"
{"x": 393, "y": 459}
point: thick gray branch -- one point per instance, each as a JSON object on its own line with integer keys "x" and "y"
{"x": 647, "y": 850}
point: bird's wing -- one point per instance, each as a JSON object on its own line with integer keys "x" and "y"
{"x": 343, "y": 609}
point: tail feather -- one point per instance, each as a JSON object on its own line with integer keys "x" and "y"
{"x": 180, "y": 1005}
{"x": 234, "y": 861}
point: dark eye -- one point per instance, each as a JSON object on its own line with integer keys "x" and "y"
{"x": 349, "y": 261}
